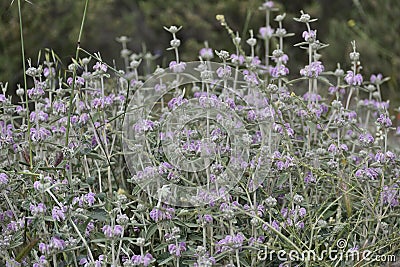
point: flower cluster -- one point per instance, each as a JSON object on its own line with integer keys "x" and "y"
{"x": 270, "y": 157}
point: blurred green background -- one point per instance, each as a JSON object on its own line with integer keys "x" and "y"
{"x": 374, "y": 24}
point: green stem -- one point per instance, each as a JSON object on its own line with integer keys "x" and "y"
{"x": 74, "y": 74}
{"x": 25, "y": 84}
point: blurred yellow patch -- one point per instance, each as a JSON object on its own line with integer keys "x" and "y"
{"x": 351, "y": 23}
{"x": 220, "y": 17}
{"x": 121, "y": 191}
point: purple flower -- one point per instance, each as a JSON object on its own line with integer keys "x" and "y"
{"x": 309, "y": 178}
{"x": 279, "y": 71}
{"x": 366, "y": 139}
{"x": 333, "y": 90}
{"x": 160, "y": 87}
{"x": 58, "y": 213}
{"x": 332, "y": 148}
{"x": 376, "y": 79}
{"x": 78, "y": 81}
{"x": 284, "y": 212}
{"x": 177, "y": 67}
{"x": 111, "y": 232}
{"x": 302, "y": 212}
{"x": 89, "y": 228}
{"x": 250, "y": 77}
{"x": 312, "y": 97}
{"x": 283, "y": 58}
{"x": 97, "y": 263}
{"x": 89, "y": 197}
{"x": 43, "y": 248}
{"x": 206, "y": 218}
{"x": 97, "y": 103}
{"x": 390, "y": 155}
{"x": 47, "y": 72}
{"x": 59, "y": 107}
{"x": 224, "y": 72}
{"x": 83, "y": 118}
{"x": 300, "y": 225}
{"x": 230, "y": 243}
{"x": 391, "y": 195}
{"x": 204, "y": 260}
{"x": 313, "y": 70}
{"x": 380, "y": 157}
{"x": 84, "y": 262}
{"x": 352, "y": 79}
{"x": 42, "y": 262}
{"x": 255, "y": 61}
{"x": 37, "y": 185}
{"x": 137, "y": 260}
{"x": 40, "y": 116}
{"x": 158, "y": 214}
{"x": 39, "y": 209}
{"x": 370, "y": 173}
{"x": 344, "y": 147}
{"x": 11, "y": 262}
{"x": 147, "y": 259}
{"x": 107, "y": 231}
{"x": 384, "y": 121}
{"x": 176, "y": 102}
{"x": 118, "y": 229}
{"x": 275, "y": 224}
{"x": 40, "y": 134}
{"x": 206, "y": 53}
{"x": 136, "y": 83}
{"x": 176, "y": 250}
{"x": 57, "y": 243}
{"x": 144, "y": 126}
{"x": 35, "y": 92}
{"x": 268, "y": 4}
{"x": 19, "y": 110}
{"x": 237, "y": 60}
{"x": 3, "y": 178}
{"x": 310, "y": 36}
{"x": 266, "y": 32}
{"x": 100, "y": 66}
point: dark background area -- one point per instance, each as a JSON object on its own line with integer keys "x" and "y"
{"x": 374, "y": 24}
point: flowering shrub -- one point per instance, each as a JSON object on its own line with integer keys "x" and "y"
{"x": 97, "y": 162}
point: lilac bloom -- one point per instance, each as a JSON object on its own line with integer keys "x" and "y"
{"x": 3, "y": 178}
{"x": 384, "y": 121}
{"x": 352, "y": 79}
{"x": 310, "y": 36}
{"x": 206, "y": 53}
{"x": 177, "y": 67}
{"x": 266, "y": 32}
{"x": 313, "y": 70}
{"x": 58, "y": 213}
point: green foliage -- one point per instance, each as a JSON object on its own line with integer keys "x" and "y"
{"x": 375, "y": 27}
{"x": 54, "y": 24}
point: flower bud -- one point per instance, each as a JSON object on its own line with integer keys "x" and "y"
{"x": 251, "y": 41}
{"x": 20, "y": 92}
{"x": 354, "y": 56}
{"x": 175, "y": 43}
{"x": 298, "y": 199}
{"x": 271, "y": 201}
